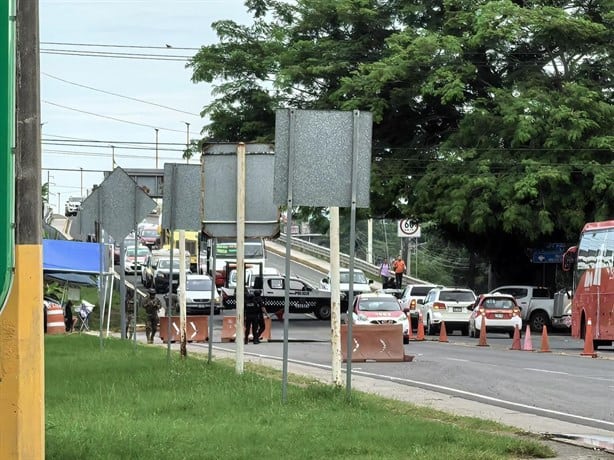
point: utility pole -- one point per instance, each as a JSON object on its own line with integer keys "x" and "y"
{"x": 81, "y": 183}
{"x": 156, "y": 129}
{"x": 187, "y": 139}
{"x": 22, "y": 395}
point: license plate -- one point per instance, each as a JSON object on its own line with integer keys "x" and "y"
{"x": 498, "y": 315}
{"x": 457, "y": 309}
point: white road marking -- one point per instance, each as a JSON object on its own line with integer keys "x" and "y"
{"x": 546, "y": 371}
{"x": 458, "y": 359}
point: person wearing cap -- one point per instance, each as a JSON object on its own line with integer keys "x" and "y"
{"x": 151, "y": 305}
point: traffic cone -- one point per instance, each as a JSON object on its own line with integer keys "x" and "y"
{"x": 516, "y": 341}
{"x": 482, "y": 342}
{"x": 420, "y": 334}
{"x": 410, "y": 332}
{"x": 589, "y": 349}
{"x": 443, "y": 335}
{"x": 528, "y": 344}
{"x": 545, "y": 347}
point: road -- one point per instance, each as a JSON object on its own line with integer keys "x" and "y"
{"x": 560, "y": 385}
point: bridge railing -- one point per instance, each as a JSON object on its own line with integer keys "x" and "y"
{"x": 321, "y": 252}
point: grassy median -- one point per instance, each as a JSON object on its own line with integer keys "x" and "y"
{"x": 127, "y": 403}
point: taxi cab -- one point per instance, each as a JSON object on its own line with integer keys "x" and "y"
{"x": 379, "y": 308}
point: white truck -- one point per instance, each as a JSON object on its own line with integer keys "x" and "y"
{"x": 538, "y": 306}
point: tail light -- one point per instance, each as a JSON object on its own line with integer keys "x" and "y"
{"x": 439, "y": 306}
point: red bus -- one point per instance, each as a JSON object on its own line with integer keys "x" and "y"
{"x": 593, "y": 282}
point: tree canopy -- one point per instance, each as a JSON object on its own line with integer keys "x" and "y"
{"x": 493, "y": 119}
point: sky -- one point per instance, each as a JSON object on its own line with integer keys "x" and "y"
{"x": 82, "y": 124}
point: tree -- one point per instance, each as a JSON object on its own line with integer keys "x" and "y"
{"x": 492, "y": 118}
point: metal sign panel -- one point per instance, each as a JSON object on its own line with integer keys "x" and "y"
{"x": 321, "y": 143}
{"x": 181, "y": 198}
{"x": 219, "y": 163}
{"x": 122, "y": 204}
{"x": 408, "y": 228}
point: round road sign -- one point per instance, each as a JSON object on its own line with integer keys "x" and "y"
{"x": 409, "y": 228}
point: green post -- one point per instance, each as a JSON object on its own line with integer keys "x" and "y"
{"x": 7, "y": 143}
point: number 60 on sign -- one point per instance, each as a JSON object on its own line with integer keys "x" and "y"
{"x": 408, "y": 228}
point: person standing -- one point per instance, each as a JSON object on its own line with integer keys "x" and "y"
{"x": 262, "y": 313}
{"x": 152, "y": 305}
{"x": 68, "y": 316}
{"x": 384, "y": 272}
{"x": 129, "y": 311}
{"x": 399, "y": 270}
{"x": 252, "y": 311}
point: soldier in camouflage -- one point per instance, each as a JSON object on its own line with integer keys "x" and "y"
{"x": 151, "y": 305}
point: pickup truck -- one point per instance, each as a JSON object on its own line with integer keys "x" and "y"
{"x": 538, "y": 306}
{"x": 304, "y": 298}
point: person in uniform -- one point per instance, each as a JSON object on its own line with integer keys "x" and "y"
{"x": 262, "y": 313}
{"x": 151, "y": 305}
{"x": 129, "y": 313}
{"x": 252, "y": 311}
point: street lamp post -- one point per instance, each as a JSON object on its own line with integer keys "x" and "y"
{"x": 81, "y": 182}
{"x": 187, "y": 139}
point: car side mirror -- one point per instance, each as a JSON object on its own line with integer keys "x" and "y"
{"x": 420, "y": 301}
{"x": 325, "y": 281}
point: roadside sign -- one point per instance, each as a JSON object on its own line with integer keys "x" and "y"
{"x": 408, "y": 228}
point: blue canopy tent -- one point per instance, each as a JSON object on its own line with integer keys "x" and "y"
{"x": 71, "y": 257}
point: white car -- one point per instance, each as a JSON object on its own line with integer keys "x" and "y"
{"x": 379, "y": 308}
{"x": 133, "y": 263}
{"x": 499, "y": 312}
{"x": 198, "y": 295}
{"x": 450, "y": 305}
{"x": 412, "y": 293}
{"x": 361, "y": 283}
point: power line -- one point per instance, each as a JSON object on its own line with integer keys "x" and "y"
{"x": 64, "y": 53}
{"x": 104, "y": 45}
{"x": 119, "y": 95}
{"x": 162, "y": 57}
{"x": 122, "y": 147}
{"x": 71, "y": 141}
{"x": 111, "y": 118}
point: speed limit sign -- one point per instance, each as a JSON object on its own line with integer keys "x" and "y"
{"x": 408, "y": 228}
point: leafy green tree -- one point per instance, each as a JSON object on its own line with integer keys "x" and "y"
{"x": 492, "y": 118}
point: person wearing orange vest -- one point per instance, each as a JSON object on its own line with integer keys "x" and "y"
{"x": 399, "y": 270}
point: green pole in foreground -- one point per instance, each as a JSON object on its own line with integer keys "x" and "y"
{"x": 7, "y": 142}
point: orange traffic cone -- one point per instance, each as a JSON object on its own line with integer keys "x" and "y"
{"x": 589, "y": 349}
{"x": 443, "y": 335}
{"x": 528, "y": 344}
{"x": 420, "y": 334}
{"x": 482, "y": 342}
{"x": 410, "y": 332}
{"x": 545, "y": 347}
{"x": 516, "y": 341}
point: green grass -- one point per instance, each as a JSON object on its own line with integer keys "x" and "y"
{"x": 127, "y": 403}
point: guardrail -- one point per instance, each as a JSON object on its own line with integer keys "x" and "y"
{"x": 321, "y": 252}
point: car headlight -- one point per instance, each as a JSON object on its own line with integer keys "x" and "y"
{"x": 160, "y": 275}
{"x": 187, "y": 299}
{"x": 362, "y": 318}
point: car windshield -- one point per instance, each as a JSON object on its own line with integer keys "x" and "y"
{"x": 420, "y": 290}
{"x": 151, "y": 233}
{"x": 166, "y": 263}
{"x": 198, "y": 285}
{"x": 141, "y": 252}
{"x": 359, "y": 278}
{"x": 379, "y": 305}
{"x": 456, "y": 296}
{"x": 502, "y": 304}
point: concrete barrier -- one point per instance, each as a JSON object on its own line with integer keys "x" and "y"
{"x": 55, "y": 318}
{"x": 382, "y": 343}
{"x": 229, "y": 332}
{"x": 196, "y": 328}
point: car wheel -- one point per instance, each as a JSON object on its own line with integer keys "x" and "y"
{"x": 511, "y": 334}
{"x": 323, "y": 312}
{"x": 538, "y": 320}
{"x": 405, "y": 340}
{"x": 430, "y": 327}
